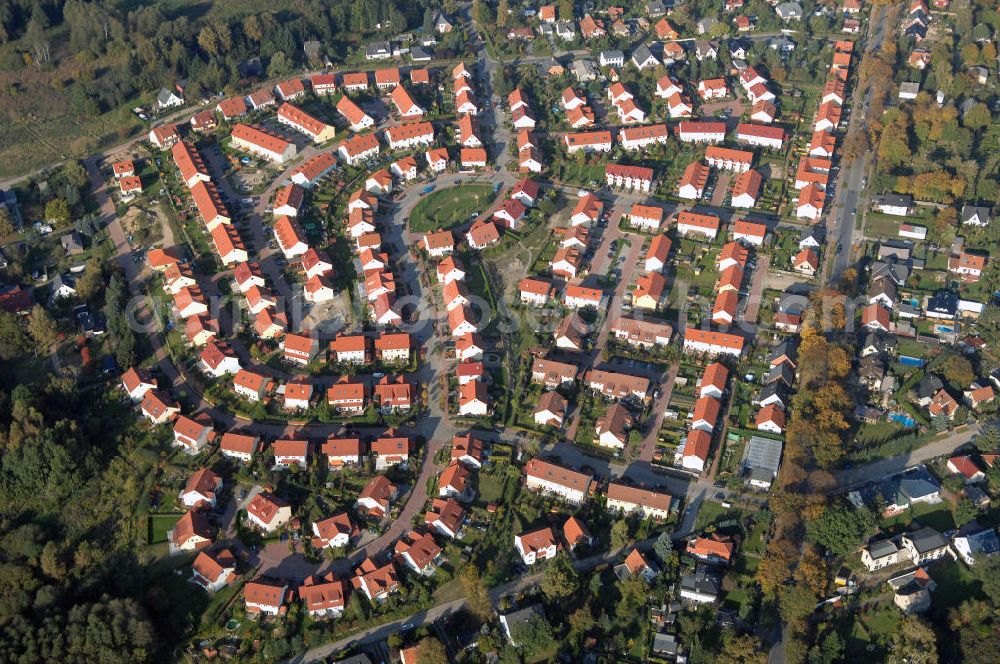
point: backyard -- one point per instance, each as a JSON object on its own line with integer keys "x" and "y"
{"x": 937, "y": 516}
{"x": 450, "y": 207}
{"x": 160, "y": 525}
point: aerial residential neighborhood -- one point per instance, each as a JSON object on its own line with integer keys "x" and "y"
{"x": 500, "y": 332}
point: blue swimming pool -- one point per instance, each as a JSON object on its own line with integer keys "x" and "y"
{"x": 943, "y": 329}
{"x": 909, "y": 361}
{"x": 904, "y": 419}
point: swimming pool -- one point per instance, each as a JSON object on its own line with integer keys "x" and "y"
{"x": 904, "y": 419}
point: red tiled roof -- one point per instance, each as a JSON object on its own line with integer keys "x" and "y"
{"x": 260, "y": 138}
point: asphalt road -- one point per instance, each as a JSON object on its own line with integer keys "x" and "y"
{"x": 839, "y": 242}
{"x": 854, "y": 477}
{"x": 850, "y": 187}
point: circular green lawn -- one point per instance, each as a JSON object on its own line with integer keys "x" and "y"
{"x": 449, "y": 207}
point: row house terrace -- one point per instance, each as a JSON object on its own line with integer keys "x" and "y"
{"x": 636, "y": 138}
{"x": 547, "y": 477}
{"x": 262, "y": 143}
{"x": 701, "y": 131}
{"x": 729, "y": 159}
{"x": 410, "y": 135}
{"x": 313, "y": 170}
{"x": 630, "y": 178}
{"x": 298, "y": 119}
{"x": 760, "y": 136}
{"x": 358, "y": 149}
{"x": 596, "y": 141}
{"x": 614, "y": 385}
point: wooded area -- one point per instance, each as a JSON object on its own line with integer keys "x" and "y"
{"x": 70, "y": 71}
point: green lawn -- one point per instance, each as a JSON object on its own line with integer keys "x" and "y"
{"x": 872, "y": 627}
{"x": 160, "y": 525}
{"x": 448, "y": 207}
{"x": 575, "y": 173}
{"x": 911, "y": 348}
{"x": 955, "y": 583}
{"x": 735, "y": 599}
{"x": 490, "y": 489}
{"x": 712, "y": 513}
{"x": 747, "y": 565}
{"x": 877, "y": 432}
{"x": 754, "y": 543}
{"x": 936, "y": 516}
{"x": 885, "y": 225}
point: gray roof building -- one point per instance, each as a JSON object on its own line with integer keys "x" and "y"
{"x": 379, "y": 50}
{"x": 973, "y": 538}
{"x": 774, "y": 393}
{"x": 763, "y": 454}
{"x": 882, "y": 548}
{"x": 72, "y": 243}
{"x": 642, "y": 57}
{"x": 782, "y": 43}
{"x": 785, "y": 348}
{"x": 926, "y": 539}
{"x": 655, "y": 8}
{"x": 810, "y": 237}
{"x": 918, "y": 488}
{"x": 977, "y": 215}
{"x": 943, "y": 303}
{"x": 420, "y": 54}
{"x": 781, "y": 373}
{"x": 510, "y": 621}
{"x": 789, "y": 11}
{"x": 909, "y": 90}
{"x": 585, "y": 70}
{"x": 893, "y": 200}
{"x": 613, "y": 57}
{"x": 891, "y": 268}
{"x": 701, "y": 585}
{"x": 665, "y": 644}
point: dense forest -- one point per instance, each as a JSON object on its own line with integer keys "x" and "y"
{"x": 147, "y": 47}
{"x": 74, "y": 579}
{"x": 70, "y": 70}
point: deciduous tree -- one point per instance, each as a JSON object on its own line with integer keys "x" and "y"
{"x": 772, "y": 572}
{"x": 741, "y": 649}
{"x": 6, "y": 222}
{"x": 581, "y": 620}
{"x": 42, "y": 328}
{"x": 57, "y": 210}
{"x": 559, "y": 580}
{"x": 914, "y": 643}
{"x": 963, "y": 511}
{"x": 958, "y": 371}
{"x": 477, "y": 597}
{"x": 431, "y": 652}
{"x": 840, "y": 529}
{"x": 619, "y": 534}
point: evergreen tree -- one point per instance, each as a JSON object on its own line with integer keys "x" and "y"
{"x": 663, "y": 546}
